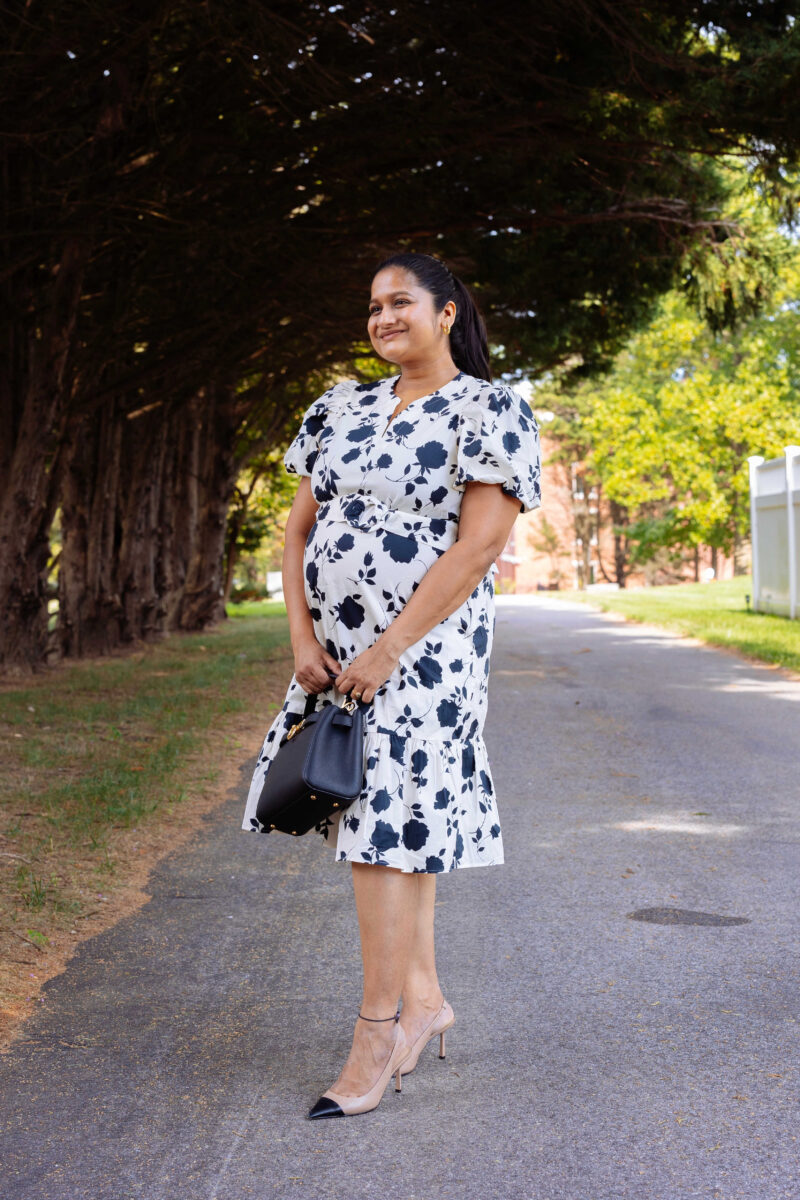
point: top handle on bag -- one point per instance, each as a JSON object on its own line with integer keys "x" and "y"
{"x": 347, "y": 705}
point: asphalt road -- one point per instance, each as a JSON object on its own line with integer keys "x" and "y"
{"x": 595, "y": 1056}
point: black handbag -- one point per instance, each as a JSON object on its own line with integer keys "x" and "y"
{"x": 319, "y": 768}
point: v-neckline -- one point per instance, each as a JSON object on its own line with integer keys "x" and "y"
{"x": 436, "y": 392}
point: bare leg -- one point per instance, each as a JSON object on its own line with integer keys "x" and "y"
{"x": 422, "y": 995}
{"x": 386, "y": 903}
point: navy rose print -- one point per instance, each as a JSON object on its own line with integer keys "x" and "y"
{"x": 389, "y": 495}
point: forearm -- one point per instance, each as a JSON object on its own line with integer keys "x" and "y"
{"x": 301, "y": 626}
{"x": 444, "y": 588}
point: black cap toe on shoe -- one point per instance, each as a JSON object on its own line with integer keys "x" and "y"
{"x": 325, "y": 1107}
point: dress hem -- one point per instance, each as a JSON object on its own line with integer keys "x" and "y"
{"x": 352, "y": 858}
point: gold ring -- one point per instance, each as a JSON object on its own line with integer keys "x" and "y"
{"x": 357, "y": 695}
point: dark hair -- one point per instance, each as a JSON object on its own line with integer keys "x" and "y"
{"x": 468, "y": 344}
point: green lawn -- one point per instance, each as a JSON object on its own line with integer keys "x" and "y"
{"x": 257, "y": 608}
{"x": 97, "y": 746}
{"x": 713, "y": 612}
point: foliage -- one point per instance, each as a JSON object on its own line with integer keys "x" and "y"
{"x": 236, "y": 171}
{"x": 667, "y": 432}
{"x": 197, "y": 195}
{"x": 257, "y": 515}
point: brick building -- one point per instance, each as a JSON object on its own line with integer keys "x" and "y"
{"x": 570, "y": 539}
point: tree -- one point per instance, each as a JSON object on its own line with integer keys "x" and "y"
{"x": 668, "y": 430}
{"x": 197, "y": 196}
{"x": 262, "y": 495}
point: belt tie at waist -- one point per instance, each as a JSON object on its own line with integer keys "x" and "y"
{"x": 366, "y": 512}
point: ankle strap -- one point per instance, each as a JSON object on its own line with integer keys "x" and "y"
{"x": 396, "y": 1017}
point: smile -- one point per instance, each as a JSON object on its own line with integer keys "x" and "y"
{"x": 395, "y": 333}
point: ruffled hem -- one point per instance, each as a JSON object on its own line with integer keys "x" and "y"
{"x": 426, "y": 806}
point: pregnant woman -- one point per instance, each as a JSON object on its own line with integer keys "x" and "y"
{"x": 409, "y": 490}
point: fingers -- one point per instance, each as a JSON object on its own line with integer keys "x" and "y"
{"x": 355, "y": 688}
{"x": 314, "y": 679}
{"x": 310, "y": 686}
{"x": 317, "y": 670}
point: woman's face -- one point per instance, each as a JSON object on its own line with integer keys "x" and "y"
{"x": 403, "y": 325}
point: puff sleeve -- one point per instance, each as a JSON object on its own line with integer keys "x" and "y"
{"x": 302, "y": 453}
{"x": 498, "y": 442}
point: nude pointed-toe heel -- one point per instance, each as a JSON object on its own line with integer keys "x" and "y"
{"x": 332, "y": 1104}
{"x": 444, "y": 1018}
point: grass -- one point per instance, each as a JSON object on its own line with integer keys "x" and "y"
{"x": 715, "y": 613}
{"x": 91, "y": 749}
{"x": 257, "y": 608}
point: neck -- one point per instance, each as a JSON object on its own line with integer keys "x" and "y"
{"x": 421, "y": 377}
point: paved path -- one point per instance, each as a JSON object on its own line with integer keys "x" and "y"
{"x": 595, "y": 1056}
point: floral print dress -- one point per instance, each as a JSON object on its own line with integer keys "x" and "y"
{"x": 389, "y": 495}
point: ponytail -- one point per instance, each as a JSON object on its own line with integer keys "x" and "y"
{"x": 468, "y": 343}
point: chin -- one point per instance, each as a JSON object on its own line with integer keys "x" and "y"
{"x": 388, "y": 355}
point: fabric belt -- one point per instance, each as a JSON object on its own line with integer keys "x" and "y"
{"x": 368, "y": 513}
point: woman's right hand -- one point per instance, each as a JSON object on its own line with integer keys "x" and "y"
{"x": 314, "y": 668}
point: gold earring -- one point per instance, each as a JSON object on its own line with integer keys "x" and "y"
{"x": 446, "y": 328}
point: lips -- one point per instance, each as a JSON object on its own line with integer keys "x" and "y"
{"x": 394, "y": 333}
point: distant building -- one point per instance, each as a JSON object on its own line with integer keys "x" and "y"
{"x": 569, "y": 541}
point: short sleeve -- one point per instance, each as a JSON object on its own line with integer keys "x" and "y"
{"x": 303, "y": 450}
{"x": 499, "y": 443}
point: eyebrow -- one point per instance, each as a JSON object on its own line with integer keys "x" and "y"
{"x": 402, "y": 292}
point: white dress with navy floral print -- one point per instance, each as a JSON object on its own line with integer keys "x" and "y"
{"x": 389, "y": 496}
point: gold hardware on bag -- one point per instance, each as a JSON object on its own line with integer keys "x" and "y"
{"x": 349, "y": 706}
{"x": 312, "y": 796}
{"x": 295, "y": 729}
{"x": 336, "y": 804}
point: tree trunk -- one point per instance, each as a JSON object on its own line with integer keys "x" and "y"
{"x": 178, "y": 517}
{"x": 25, "y": 518}
{"x": 619, "y": 518}
{"x": 739, "y": 565}
{"x": 141, "y": 478}
{"x": 202, "y": 598}
{"x": 231, "y": 556}
{"x": 111, "y": 584}
{"x": 144, "y": 516}
{"x": 89, "y": 608}
{"x": 33, "y": 393}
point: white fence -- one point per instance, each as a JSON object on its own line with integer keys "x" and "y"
{"x": 775, "y": 524}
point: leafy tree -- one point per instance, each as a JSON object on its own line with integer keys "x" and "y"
{"x": 262, "y": 495}
{"x": 196, "y": 196}
{"x": 668, "y": 430}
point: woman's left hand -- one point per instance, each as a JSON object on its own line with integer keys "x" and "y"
{"x": 366, "y": 673}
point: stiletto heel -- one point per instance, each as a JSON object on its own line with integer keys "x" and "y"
{"x": 398, "y": 1081}
{"x": 441, "y": 1022}
{"x": 331, "y": 1104}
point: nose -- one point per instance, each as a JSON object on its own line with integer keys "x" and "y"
{"x": 385, "y": 319}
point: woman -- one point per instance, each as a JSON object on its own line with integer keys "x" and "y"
{"x": 410, "y": 488}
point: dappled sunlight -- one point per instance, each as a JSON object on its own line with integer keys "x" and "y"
{"x": 777, "y": 688}
{"x": 641, "y": 632}
{"x": 531, "y": 672}
{"x": 677, "y": 823}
